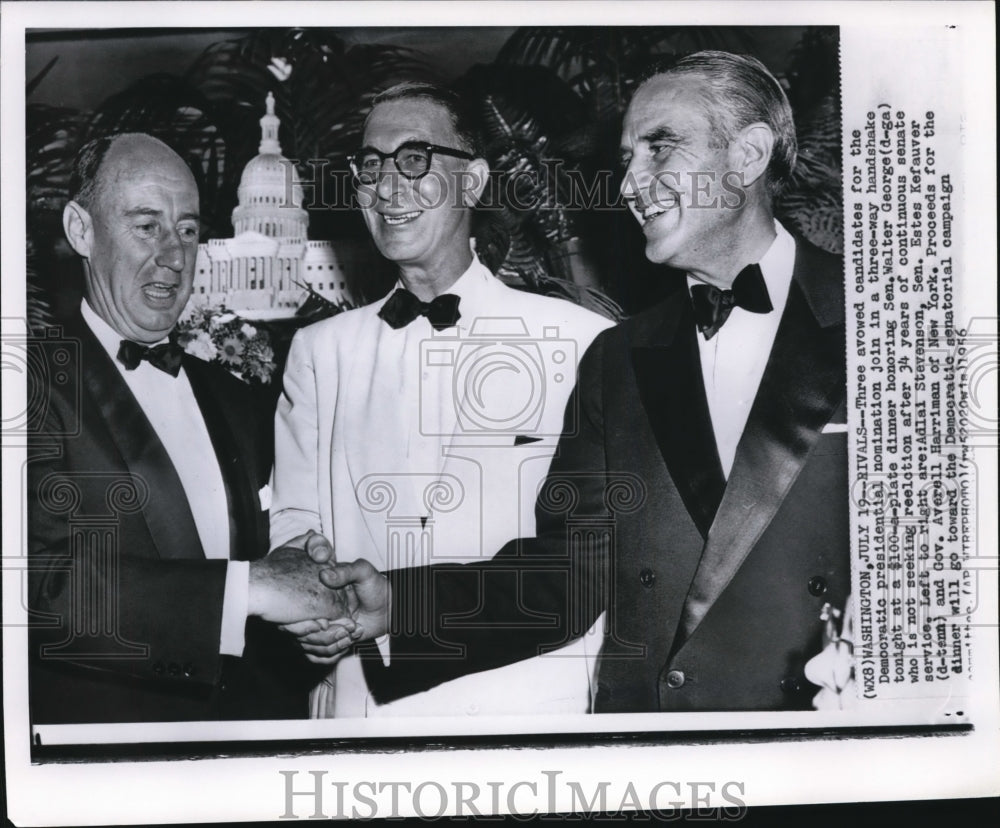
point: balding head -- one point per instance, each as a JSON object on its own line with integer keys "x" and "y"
{"x": 125, "y": 149}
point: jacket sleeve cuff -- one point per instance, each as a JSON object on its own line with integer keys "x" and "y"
{"x": 382, "y": 642}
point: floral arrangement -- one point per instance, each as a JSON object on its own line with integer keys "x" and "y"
{"x": 217, "y": 335}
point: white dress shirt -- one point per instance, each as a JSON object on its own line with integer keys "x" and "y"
{"x": 733, "y": 361}
{"x": 428, "y": 395}
{"x": 171, "y": 408}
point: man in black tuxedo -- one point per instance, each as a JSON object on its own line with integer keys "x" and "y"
{"x": 703, "y": 499}
{"x": 147, "y": 483}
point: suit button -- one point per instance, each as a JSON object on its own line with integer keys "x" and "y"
{"x": 675, "y": 679}
{"x": 647, "y": 578}
{"x": 158, "y": 668}
{"x": 817, "y": 585}
{"x": 189, "y": 669}
{"x": 790, "y": 685}
{"x": 174, "y": 668}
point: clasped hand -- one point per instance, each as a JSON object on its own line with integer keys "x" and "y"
{"x": 327, "y": 606}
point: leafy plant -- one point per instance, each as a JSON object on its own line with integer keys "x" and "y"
{"x": 559, "y": 93}
{"x": 813, "y": 203}
{"x": 50, "y": 139}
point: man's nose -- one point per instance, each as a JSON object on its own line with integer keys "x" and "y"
{"x": 635, "y": 184}
{"x": 170, "y": 253}
{"x": 389, "y": 180}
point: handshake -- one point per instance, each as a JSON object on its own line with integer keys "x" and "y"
{"x": 328, "y": 606}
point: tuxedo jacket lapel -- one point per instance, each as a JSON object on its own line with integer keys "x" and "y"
{"x": 166, "y": 510}
{"x": 803, "y": 385}
{"x": 668, "y": 371}
{"x": 376, "y": 432}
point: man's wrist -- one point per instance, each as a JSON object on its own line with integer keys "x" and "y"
{"x": 256, "y": 589}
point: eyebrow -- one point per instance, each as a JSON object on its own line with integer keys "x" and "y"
{"x": 662, "y": 133}
{"x": 152, "y": 211}
{"x": 413, "y": 140}
{"x": 654, "y": 135}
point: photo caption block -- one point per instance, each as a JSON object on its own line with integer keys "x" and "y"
{"x": 913, "y": 500}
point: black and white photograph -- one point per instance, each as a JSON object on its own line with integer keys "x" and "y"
{"x": 551, "y": 409}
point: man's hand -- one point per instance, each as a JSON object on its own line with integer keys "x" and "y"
{"x": 285, "y": 586}
{"x": 371, "y": 591}
{"x": 314, "y": 544}
{"x": 325, "y": 642}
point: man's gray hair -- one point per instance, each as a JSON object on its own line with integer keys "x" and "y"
{"x": 462, "y": 119}
{"x": 741, "y": 91}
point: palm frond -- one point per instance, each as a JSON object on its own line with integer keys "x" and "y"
{"x": 583, "y": 295}
{"x": 51, "y": 137}
{"x": 31, "y": 85}
{"x": 322, "y": 86}
{"x": 38, "y": 305}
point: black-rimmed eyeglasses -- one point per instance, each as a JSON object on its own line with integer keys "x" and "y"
{"x": 412, "y": 159}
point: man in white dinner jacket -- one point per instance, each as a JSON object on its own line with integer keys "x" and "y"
{"x": 418, "y": 429}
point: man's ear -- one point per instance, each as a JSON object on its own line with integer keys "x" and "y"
{"x": 752, "y": 150}
{"x": 474, "y": 181}
{"x": 79, "y": 228}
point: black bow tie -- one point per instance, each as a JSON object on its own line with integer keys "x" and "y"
{"x": 166, "y": 357}
{"x": 403, "y": 307}
{"x": 713, "y": 306}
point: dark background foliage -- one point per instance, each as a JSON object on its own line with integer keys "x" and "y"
{"x": 549, "y": 102}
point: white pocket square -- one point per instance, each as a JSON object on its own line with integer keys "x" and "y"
{"x": 835, "y": 428}
{"x": 264, "y": 496}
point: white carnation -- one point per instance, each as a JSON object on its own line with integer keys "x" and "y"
{"x": 201, "y": 346}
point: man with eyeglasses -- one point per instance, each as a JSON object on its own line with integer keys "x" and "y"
{"x": 418, "y": 429}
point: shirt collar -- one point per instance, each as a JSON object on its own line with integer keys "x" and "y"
{"x": 776, "y": 266}
{"x": 471, "y": 287}
{"x": 109, "y": 338}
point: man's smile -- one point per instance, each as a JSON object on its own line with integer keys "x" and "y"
{"x": 160, "y": 292}
{"x": 400, "y": 218}
{"x": 652, "y": 213}
{"x": 647, "y": 215}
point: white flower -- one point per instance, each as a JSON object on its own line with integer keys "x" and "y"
{"x": 248, "y": 330}
{"x": 833, "y": 668}
{"x": 200, "y": 345}
{"x": 221, "y": 319}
